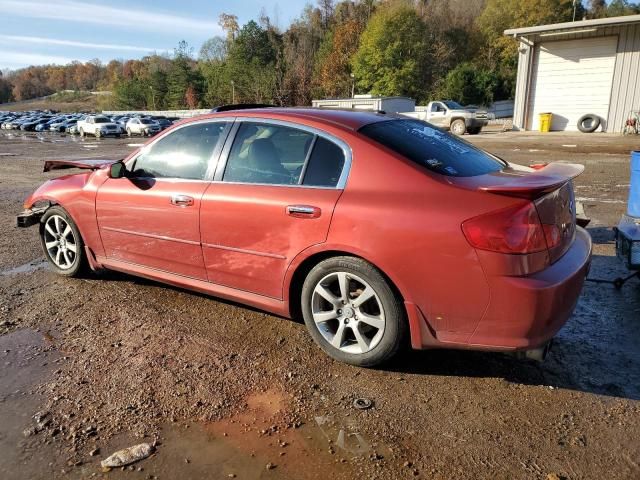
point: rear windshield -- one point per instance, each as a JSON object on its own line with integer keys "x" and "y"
{"x": 432, "y": 148}
{"x": 101, "y": 120}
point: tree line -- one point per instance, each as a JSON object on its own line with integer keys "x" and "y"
{"x": 422, "y": 49}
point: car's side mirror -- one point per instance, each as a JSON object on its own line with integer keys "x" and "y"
{"x": 117, "y": 170}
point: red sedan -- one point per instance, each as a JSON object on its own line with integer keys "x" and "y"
{"x": 379, "y": 230}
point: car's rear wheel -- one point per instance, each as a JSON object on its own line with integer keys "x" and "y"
{"x": 458, "y": 127}
{"x": 352, "y": 312}
{"x": 61, "y": 242}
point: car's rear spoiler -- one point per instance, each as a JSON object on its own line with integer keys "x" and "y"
{"x": 531, "y": 184}
{"x": 87, "y": 164}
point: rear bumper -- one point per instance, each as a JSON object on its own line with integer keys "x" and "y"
{"x": 523, "y": 313}
{"x": 526, "y": 312}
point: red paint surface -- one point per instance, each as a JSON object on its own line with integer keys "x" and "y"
{"x": 239, "y": 242}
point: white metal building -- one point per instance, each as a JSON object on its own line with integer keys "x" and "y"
{"x": 576, "y": 68}
{"x": 368, "y": 102}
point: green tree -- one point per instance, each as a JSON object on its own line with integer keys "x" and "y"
{"x": 618, "y": 8}
{"x": 130, "y": 94}
{"x": 251, "y": 63}
{"x": 180, "y": 77}
{"x": 499, "y": 53}
{"x": 393, "y": 56}
{"x": 5, "y": 89}
{"x": 469, "y": 84}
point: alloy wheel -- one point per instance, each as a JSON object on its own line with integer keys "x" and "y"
{"x": 60, "y": 242}
{"x": 348, "y": 312}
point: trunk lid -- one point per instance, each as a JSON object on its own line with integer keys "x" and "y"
{"x": 549, "y": 188}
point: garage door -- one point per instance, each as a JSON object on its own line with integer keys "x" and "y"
{"x": 572, "y": 78}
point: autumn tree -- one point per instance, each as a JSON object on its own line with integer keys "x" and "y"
{"x": 334, "y": 66}
{"x": 301, "y": 43}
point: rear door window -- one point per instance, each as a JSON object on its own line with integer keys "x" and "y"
{"x": 325, "y": 164}
{"x": 432, "y": 148}
{"x": 266, "y": 153}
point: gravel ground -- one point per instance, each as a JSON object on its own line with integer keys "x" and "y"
{"x": 109, "y": 361}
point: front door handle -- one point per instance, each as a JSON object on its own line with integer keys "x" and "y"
{"x": 182, "y": 200}
{"x": 303, "y": 211}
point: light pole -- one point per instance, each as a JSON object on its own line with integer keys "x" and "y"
{"x": 233, "y": 92}
{"x": 353, "y": 85}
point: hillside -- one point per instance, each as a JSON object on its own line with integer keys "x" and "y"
{"x": 61, "y": 101}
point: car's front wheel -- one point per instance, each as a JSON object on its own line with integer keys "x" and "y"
{"x": 352, "y": 312}
{"x": 61, "y": 241}
{"x": 458, "y": 127}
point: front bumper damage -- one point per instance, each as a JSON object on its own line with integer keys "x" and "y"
{"x": 30, "y": 217}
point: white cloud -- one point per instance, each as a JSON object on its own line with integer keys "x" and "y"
{"x": 86, "y": 12}
{"x": 72, "y": 43}
{"x": 21, "y": 59}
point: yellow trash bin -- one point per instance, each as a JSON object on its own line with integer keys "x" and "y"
{"x": 545, "y": 122}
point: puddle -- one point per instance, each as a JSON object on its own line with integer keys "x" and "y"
{"x": 27, "y": 360}
{"x": 250, "y": 445}
{"x": 32, "y": 266}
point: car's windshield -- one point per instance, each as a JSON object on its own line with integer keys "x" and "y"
{"x": 101, "y": 120}
{"x": 453, "y": 105}
{"x": 432, "y": 148}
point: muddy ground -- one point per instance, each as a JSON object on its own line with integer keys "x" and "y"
{"x": 110, "y": 360}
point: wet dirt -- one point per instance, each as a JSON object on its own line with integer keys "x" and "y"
{"x": 225, "y": 390}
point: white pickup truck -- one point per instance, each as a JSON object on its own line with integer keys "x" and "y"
{"x": 453, "y": 116}
{"x": 99, "y": 126}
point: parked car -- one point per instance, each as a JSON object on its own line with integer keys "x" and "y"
{"x": 452, "y": 116}
{"x": 164, "y": 122}
{"x": 142, "y": 126}
{"x": 31, "y": 125}
{"x": 98, "y": 125}
{"x": 376, "y": 229}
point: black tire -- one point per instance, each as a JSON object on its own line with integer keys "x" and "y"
{"x": 78, "y": 264}
{"x": 394, "y": 335}
{"x": 458, "y": 127}
{"x": 589, "y": 123}
{"x": 474, "y": 131}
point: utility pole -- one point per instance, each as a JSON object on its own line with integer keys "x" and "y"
{"x": 233, "y": 92}
{"x": 353, "y": 85}
{"x": 575, "y": 5}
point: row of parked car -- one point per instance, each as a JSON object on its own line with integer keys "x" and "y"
{"x": 84, "y": 124}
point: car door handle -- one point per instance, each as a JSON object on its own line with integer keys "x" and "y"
{"x": 303, "y": 211}
{"x": 182, "y": 200}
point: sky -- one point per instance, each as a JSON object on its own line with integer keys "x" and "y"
{"x": 38, "y": 32}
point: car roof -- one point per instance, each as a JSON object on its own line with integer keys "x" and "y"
{"x": 346, "y": 119}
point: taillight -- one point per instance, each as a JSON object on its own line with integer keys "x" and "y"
{"x": 515, "y": 230}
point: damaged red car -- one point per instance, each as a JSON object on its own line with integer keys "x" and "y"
{"x": 380, "y": 231}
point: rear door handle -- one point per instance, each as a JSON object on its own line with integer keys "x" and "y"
{"x": 303, "y": 211}
{"x": 182, "y": 200}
